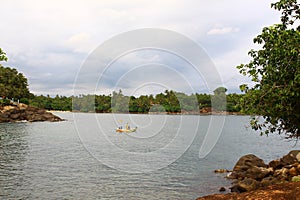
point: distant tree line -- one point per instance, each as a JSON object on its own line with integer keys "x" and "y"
{"x": 168, "y": 101}
{"x": 14, "y": 87}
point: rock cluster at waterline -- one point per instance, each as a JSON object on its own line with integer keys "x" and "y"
{"x": 254, "y": 179}
{"x": 23, "y": 112}
{"x": 250, "y": 172}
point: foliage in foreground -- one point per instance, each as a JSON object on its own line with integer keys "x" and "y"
{"x": 275, "y": 69}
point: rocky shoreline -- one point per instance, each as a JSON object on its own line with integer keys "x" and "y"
{"x": 252, "y": 176}
{"x": 23, "y": 112}
{"x": 288, "y": 191}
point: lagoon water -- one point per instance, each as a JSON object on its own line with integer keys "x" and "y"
{"x": 83, "y": 157}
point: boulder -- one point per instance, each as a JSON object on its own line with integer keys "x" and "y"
{"x": 258, "y": 173}
{"x": 248, "y": 165}
{"x": 291, "y": 158}
{"x": 4, "y": 115}
{"x": 298, "y": 157}
{"x": 221, "y": 171}
{"x": 7, "y": 108}
{"x": 250, "y": 172}
{"x": 298, "y": 168}
{"x": 293, "y": 171}
{"x": 36, "y": 118}
{"x": 4, "y": 119}
{"x": 206, "y": 110}
{"x": 275, "y": 164}
{"x": 29, "y": 112}
{"x": 270, "y": 180}
{"x": 14, "y": 111}
{"x": 22, "y": 112}
{"x": 245, "y": 185}
{"x": 222, "y": 189}
{"x": 287, "y": 161}
{"x": 22, "y": 106}
{"x": 15, "y": 116}
{"x": 40, "y": 111}
{"x": 248, "y": 161}
{"x": 281, "y": 174}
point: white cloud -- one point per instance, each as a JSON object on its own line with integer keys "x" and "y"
{"x": 222, "y": 30}
{"x": 81, "y": 43}
{"x": 54, "y": 37}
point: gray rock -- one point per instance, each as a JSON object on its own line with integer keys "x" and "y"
{"x": 271, "y": 181}
{"x": 290, "y": 158}
{"x": 248, "y": 162}
{"x": 245, "y": 185}
{"x": 221, "y": 171}
{"x": 21, "y": 112}
{"x": 258, "y": 173}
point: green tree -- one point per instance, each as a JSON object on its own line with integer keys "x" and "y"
{"x": 143, "y": 104}
{"x": 204, "y": 100}
{"x": 2, "y": 55}
{"x": 275, "y": 70}
{"x": 119, "y": 102}
{"x": 13, "y": 84}
{"x": 133, "y": 107}
{"x": 219, "y": 99}
{"x": 232, "y": 101}
{"x": 171, "y": 102}
{"x": 103, "y": 103}
{"x": 220, "y": 91}
{"x": 187, "y": 102}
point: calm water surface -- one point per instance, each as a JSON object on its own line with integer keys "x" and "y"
{"x": 62, "y": 161}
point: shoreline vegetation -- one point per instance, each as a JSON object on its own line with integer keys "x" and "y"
{"x": 168, "y": 102}
{"x": 162, "y": 113}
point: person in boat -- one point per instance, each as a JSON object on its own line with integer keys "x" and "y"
{"x": 127, "y": 127}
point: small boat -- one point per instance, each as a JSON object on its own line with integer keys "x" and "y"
{"x": 122, "y": 130}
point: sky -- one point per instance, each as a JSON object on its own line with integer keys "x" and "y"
{"x": 53, "y": 42}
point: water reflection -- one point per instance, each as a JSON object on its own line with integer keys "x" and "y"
{"x": 46, "y": 160}
{"x": 13, "y": 151}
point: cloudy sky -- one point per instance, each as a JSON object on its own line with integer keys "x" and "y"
{"x": 51, "y": 41}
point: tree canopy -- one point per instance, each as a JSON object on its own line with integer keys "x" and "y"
{"x": 219, "y": 99}
{"x": 12, "y": 83}
{"x": 275, "y": 70}
{"x": 2, "y": 55}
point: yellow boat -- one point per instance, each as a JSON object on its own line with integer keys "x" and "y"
{"x": 122, "y": 130}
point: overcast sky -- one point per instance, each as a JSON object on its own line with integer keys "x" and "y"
{"x": 49, "y": 41}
